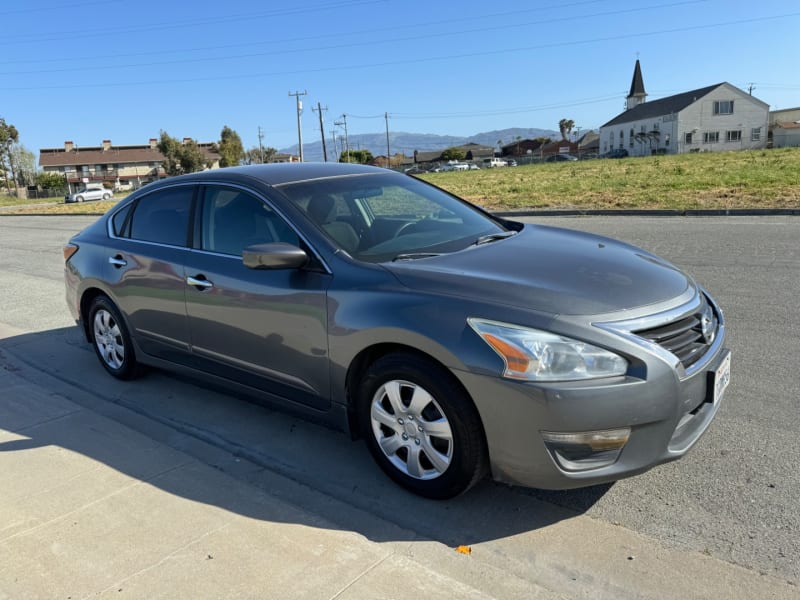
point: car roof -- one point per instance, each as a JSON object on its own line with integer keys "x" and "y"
{"x": 277, "y": 174}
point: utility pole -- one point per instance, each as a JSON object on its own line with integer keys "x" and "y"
{"x": 319, "y": 109}
{"x": 388, "y": 156}
{"x": 299, "y": 112}
{"x": 751, "y": 87}
{"x": 333, "y": 138}
{"x": 260, "y": 145}
{"x": 346, "y": 141}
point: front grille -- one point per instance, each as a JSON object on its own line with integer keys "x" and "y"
{"x": 688, "y": 338}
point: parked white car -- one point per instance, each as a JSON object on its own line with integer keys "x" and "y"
{"x": 492, "y": 163}
{"x": 92, "y": 191}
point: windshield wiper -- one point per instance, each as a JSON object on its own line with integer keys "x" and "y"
{"x": 493, "y": 237}
{"x": 415, "y": 255}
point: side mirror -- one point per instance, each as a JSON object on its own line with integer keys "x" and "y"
{"x": 274, "y": 256}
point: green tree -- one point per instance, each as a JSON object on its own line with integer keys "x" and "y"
{"x": 50, "y": 180}
{"x": 180, "y": 157}
{"x": 8, "y": 137}
{"x": 230, "y": 148}
{"x": 565, "y": 127}
{"x": 453, "y": 154}
{"x": 356, "y": 156}
{"x": 258, "y": 156}
{"x": 24, "y": 163}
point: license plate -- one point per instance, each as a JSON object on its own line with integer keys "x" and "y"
{"x": 722, "y": 377}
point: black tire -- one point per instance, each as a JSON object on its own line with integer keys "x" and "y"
{"x": 111, "y": 340}
{"x": 435, "y": 446}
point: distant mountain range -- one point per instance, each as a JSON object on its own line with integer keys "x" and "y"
{"x": 406, "y": 143}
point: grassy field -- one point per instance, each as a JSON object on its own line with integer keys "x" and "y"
{"x": 720, "y": 180}
{"x": 758, "y": 179}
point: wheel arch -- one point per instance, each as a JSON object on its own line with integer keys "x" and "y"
{"x": 367, "y": 356}
{"x": 87, "y": 297}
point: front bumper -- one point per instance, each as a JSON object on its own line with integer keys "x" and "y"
{"x": 666, "y": 408}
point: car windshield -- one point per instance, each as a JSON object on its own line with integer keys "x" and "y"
{"x": 389, "y": 216}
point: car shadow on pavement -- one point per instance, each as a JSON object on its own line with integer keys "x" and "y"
{"x": 198, "y": 444}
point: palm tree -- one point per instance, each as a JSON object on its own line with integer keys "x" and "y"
{"x": 565, "y": 127}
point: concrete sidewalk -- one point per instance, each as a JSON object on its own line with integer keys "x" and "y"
{"x": 90, "y": 506}
{"x": 71, "y": 526}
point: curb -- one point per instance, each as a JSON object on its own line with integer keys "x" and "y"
{"x": 718, "y": 212}
{"x": 572, "y": 212}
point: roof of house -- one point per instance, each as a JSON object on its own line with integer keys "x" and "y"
{"x": 589, "y": 139}
{"x": 663, "y": 106}
{"x": 95, "y": 155}
{"x": 788, "y": 124}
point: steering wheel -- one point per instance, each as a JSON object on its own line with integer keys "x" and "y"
{"x": 406, "y": 229}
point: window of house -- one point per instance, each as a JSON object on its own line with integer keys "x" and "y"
{"x": 734, "y": 136}
{"x": 687, "y": 138}
{"x": 723, "y": 107}
{"x": 666, "y": 140}
{"x": 755, "y": 134}
{"x": 655, "y": 126}
{"x": 630, "y": 141}
{"x": 711, "y": 137}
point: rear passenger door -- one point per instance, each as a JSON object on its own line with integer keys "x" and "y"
{"x": 263, "y": 328}
{"x": 145, "y": 269}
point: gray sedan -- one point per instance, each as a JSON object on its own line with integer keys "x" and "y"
{"x": 457, "y": 344}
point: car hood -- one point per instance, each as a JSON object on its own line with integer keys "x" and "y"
{"x": 547, "y": 269}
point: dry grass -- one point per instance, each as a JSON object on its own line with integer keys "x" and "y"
{"x": 721, "y": 180}
{"x": 759, "y": 179}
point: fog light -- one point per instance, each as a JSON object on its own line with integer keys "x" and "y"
{"x": 585, "y": 450}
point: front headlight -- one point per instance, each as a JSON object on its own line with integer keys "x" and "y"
{"x": 541, "y": 356}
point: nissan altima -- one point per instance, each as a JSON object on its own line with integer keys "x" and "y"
{"x": 455, "y": 343}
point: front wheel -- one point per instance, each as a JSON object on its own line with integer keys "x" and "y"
{"x": 78, "y": 198}
{"x": 421, "y": 427}
{"x": 111, "y": 340}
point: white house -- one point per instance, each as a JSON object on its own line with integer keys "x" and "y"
{"x": 784, "y": 127}
{"x": 714, "y": 118}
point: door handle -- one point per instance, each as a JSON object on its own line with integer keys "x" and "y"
{"x": 117, "y": 261}
{"x": 200, "y": 282}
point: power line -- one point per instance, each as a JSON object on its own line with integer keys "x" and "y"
{"x": 352, "y": 44}
{"x": 438, "y": 58}
{"x": 181, "y": 24}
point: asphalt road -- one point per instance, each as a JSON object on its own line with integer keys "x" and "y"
{"x": 734, "y": 497}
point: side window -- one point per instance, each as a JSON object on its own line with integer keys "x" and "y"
{"x": 119, "y": 221}
{"x": 233, "y": 220}
{"x": 163, "y": 216}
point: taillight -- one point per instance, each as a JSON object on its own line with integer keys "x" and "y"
{"x": 69, "y": 251}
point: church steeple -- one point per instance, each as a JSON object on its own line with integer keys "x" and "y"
{"x": 637, "y": 95}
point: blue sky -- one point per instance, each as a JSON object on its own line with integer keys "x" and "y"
{"x": 88, "y": 70}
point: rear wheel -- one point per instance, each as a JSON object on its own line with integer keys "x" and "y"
{"x": 421, "y": 427}
{"x": 111, "y": 340}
